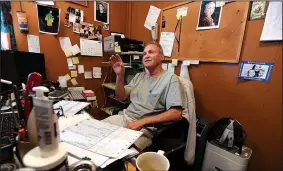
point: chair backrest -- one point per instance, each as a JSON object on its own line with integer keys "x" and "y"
{"x": 190, "y": 114}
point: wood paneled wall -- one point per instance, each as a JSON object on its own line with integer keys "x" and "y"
{"x": 55, "y": 59}
{"x": 219, "y": 93}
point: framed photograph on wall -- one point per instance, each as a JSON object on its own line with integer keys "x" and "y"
{"x": 257, "y": 10}
{"x": 83, "y": 3}
{"x": 209, "y": 15}
{"x": 101, "y": 12}
{"x": 258, "y": 71}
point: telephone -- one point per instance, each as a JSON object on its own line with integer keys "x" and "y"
{"x": 154, "y": 32}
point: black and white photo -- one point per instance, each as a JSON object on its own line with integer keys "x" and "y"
{"x": 101, "y": 12}
{"x": 259, "y": 71}
{"x": 209, "y": 15}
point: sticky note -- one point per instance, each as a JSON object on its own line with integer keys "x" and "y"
{"x": 74, "y": 81}
{"x": 136, "y": 57}
{"x": 68, "y": 53}
{"x": 74, "y": 73}
{"x": 88, "y": 75}
{"x": 117, "y": 49}
{"x": 81, "y": 69}
{"x": 175, "y": 62}
{"x": 72, "y": 67}
{"x": 75, "y": 49}
{"x": 75, "y": 60}
{"x": 70, "y": 62}
{"x": 182, "y": 11}
{"x": 67, "y": 76}
{"x": 178, "y": 16}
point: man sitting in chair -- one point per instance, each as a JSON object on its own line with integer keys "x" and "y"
{"x": 156, "y": 96}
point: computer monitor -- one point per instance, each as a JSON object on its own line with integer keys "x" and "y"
{"x": 17, "y": 65}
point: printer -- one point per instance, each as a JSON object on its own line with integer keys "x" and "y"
{"x": 117, "y": 44}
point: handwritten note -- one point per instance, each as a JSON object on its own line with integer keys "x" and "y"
{"x": 74, "y": 73}
{"x": 88, "y": 75}
{"x": 74, "y": 81}
{"x": 65, "y": 43}
{"x": 96, "y": 72}
{"x": 75, "y": 60}
{"x": 67, "y": 76}
{"x": 81, "y": 69}
{"x": 166, "y": 42}
{"x": 152, "y": 17}
{"x": 33, "y": 43}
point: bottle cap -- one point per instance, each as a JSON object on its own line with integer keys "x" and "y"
{"x": 40, "y": 90}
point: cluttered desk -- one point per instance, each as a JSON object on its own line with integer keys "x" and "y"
{"x": 80, "y": 135}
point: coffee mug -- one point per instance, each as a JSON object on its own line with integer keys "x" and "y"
{"x": 151, "y": 161}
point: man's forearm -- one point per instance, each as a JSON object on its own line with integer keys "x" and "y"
{"x": 171, "y": 115}
{"x": 119, "y": 88}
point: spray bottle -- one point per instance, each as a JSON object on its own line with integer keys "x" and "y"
{"x": 49, "y": 154}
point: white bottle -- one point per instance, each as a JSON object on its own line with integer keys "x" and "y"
{"x": 46, "y": 123}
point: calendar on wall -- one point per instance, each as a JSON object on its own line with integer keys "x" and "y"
{"x": 91, "y": 47}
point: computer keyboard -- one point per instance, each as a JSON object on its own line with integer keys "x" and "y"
{"x": 9, "y": 125}
{"x": 76, "y": 93}
{"x": 57, "y": 94}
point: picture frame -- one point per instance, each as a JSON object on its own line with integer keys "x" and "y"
{"x": 101, "y": 12}
{"x": 82, "y": 3}
{"x": 257, "y": 10}
{"x": 257, "y": 71}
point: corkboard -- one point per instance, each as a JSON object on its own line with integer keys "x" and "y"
{"x": 216, "y": 45}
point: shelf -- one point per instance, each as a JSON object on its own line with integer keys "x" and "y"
{"x": 109, "y": 85}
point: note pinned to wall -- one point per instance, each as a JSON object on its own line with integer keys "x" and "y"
{"x": 68, "y": 53}
{"x": 67, "y": 76}
{"x": 96, "y": 71}
{"x": 65, "y": 43}
{"x": 74, "y": 73}
{"x": 175, "y": 62}
{"x": 74, "y": 81}
{"x": 81, "y": 69}
{"x": 272, "y": 28}
{"x": 182, "y": 11}
{"x": 75, "y": 49}
{"x": 164, "y": 66}
{"x": 194, "y": 62}
{"x": 220, "y": 3}
{"x": 75, "y": 60}
{"x": 152, "y": 17}
{"x": 88, "y": 75}
{"x": 91, "y": 47}
{"x": 70, "y": 62}
{"x": 167, "y": 42}
{"x": 33, "y": 43}
{"x": 186, "y": 63}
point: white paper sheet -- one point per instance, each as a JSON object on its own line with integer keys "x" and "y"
{"x": 81, "y": 69}
{"x": 62, "y": 81}
{"x": 171, "y": 68}
{"x": 164, "y": 66}
{"x": 33, "y": 43}
{"x": 96, "y": 71}
{"x": 167, "y": 42}
{"x": 272, "y": 29}
{"x": 88, "y": 75}
{"x": 70, "y": 62}
{"x": 72, "y": 18}
{"x": 65, "y": 43}
{"x": 75, "y": 49}
{"x": 194, "y": 62}
{"x": 91, "y": 47}
{"x": 184, "y": 73}
{"x": 152, "y": 17}
{"x": 100, "y": 137}
{"x": 182, "y": 11}
{"x": 220, "y": 3}
{"x": 186, "y": 63}
{"x": 51, "y": 3}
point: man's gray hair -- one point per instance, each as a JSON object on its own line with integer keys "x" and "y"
{"x": 156, "y": 44}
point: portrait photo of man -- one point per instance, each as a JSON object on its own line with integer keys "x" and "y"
{"x": 101, "y": 10}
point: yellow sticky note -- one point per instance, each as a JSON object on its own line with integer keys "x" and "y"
{"x": 67, "y": 76}
{"x": 68, "y": 53}
{"x": 74, "y": 81}
{"x": 75, "y": 60}
{"x": 175, "y": 62}
{"x": 117, "y": 49}
{"x": 74, "y": 73}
